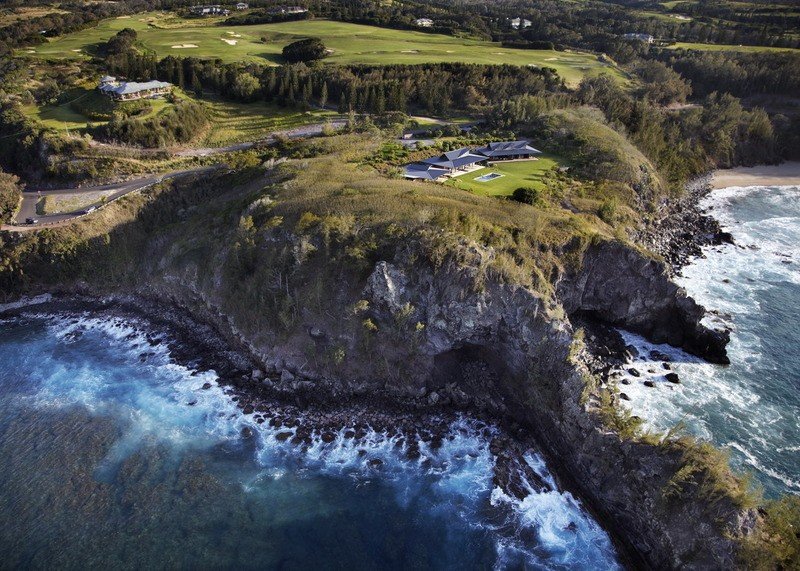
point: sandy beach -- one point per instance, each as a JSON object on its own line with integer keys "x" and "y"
{"x": 765, "y": 175}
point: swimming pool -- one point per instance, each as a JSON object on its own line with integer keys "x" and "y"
{"x": 488, "y": 177}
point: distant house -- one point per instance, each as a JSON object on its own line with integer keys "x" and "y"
{"x": 500, "y": 150}
{"x": 242, "y": 6}
{"x": 423, "y": 22}
{"x": 518, "y": 23}
{"x": 646, "y": 38}
{"x": 129, "y": 90}
{"x": 209, "y": 10}
{"x": 287, "y": 10}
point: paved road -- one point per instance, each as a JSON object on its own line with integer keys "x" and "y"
{"x": 31, "y": 197}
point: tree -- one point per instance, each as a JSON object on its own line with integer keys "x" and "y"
{"x": 246, "y": 86}
{"x": 310, "y": 49}
{"x": 9, "y": 195}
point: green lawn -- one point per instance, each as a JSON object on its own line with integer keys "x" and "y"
{"x": 230, "y": 122}
{"x": 516, "y": 174}
{"x": 61, "y": 203}
{"x": 237, "y": 122}
{"x": 351, "y": 43}
{"x": 728, "y": 48}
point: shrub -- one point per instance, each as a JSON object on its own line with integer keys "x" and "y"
{"x": 310, "y": 49}
{"x": 608, "y": 211}
{"x": 527, "y": 195}
{"x": 775, "y": 543}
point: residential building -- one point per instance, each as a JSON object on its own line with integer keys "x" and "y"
{"x": 129, "y": 90}
{"x": 518, "y": 23}
{"x": 423, "y": 22}
{"x": 422, "y": 171}
{"x": 242, "y": 6}
{"x": 459, "y": 161}
{"x": 500, "y": 150}
{"x": 209, "y": 10}
{"x": 287, "y": 10}
{"x": 646, "y": 38}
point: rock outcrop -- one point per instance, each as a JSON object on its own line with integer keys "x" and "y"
{"x": 623, "y": 287}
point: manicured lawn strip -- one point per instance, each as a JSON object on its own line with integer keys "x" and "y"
{"x": 516, "y": 174}
{"x": 351, "y": 44}
{"x": 728, "y": 48}
{"x": 237, "y": 122}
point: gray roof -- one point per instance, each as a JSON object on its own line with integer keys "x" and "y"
{"x": 424, "y": 171}
{"x": 508, "y": 149}
{"x": 128, "y": 87}
{"x": 455, "y": 159}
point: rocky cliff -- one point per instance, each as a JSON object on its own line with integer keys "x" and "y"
{"x": 443, "y": 335}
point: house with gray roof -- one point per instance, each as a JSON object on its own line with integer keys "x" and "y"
{"x": 508, "y": 150}
{"x": 128, "y": 90}
{"x": 457, "y": 159}
{"x": 423, "y": 171}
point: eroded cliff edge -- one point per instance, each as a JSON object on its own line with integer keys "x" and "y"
{"x": 431, "y": 318}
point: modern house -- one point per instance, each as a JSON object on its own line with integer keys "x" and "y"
{"x": 460, "y": 161}
{"x": 500, "y": 150}
{"x": 129, "y": 90}
{"x": 423, "y": 22}
{"x": 518, "y": 23}
{"x": 242, "y": 6}
{"x": 646, "y": 38}
{"x": 422, "y": 171}
{"x": 209, "y": 10}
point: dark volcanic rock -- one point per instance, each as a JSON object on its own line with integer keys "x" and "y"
{"x": 672, "y": 378}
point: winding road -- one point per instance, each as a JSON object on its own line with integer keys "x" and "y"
{"x": 117, "y": 190}
{"x": 113, "y": 191}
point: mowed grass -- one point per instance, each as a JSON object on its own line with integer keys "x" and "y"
{"x": 230, "y": 122}
{"x": 351, "y": 44}
{"x": 238, "y": 122}
{"x": 516, "y": 174}
{"x": 65, "y": 117}
{"x": 728, "y": 48}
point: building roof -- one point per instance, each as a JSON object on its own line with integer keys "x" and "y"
{"x": 507, "y": 149}
{"x": 108, "y": 79}
{"x": 128, "y": 87}
{"x": 455, "y": 159}
{"x": 424, "y": 171}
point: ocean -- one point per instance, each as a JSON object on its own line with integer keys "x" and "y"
{"x": 115, "y": 456}
{"x": 752, "y": 406}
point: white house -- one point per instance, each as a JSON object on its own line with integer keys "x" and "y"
{"x": 128, "y": 90}
{"x": 518, "y": 23}
{"x": 242, "y": 6}
{"x": 646, "y": 38}
{"x": 423, "y": 22}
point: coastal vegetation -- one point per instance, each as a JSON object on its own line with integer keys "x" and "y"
{"x": 276, "y": 247}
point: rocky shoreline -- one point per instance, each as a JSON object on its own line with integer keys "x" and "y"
{"x": 680, "y": 234}
{"x": 298, "y": 409}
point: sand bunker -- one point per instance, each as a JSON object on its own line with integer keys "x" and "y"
{"x": 183, "y": 46}
{"x": 77, "y": 50}
{"x": 409, "y": 51}
{"x": 229, "y": 42}
{"x": 450, "y": 51}
{"x": 499, "y": 53}
{"x": 234, "y": 34}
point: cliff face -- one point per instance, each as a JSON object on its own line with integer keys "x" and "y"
{"x": 438, "y": 335}
{"x": 622, "y": 287}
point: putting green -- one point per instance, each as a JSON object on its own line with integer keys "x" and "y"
{"x": 351, "y": 43}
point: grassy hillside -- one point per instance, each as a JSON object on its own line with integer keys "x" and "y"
{"x": 351, "y": 44}
{"x": 728, "y": 48}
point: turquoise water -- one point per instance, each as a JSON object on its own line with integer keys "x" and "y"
{"x": 116, "y": 457}
{"x": 752, "y": 406}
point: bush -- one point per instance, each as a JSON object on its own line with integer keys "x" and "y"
{"x": 775, "y": 543}
{"x": 310, "y": 49}
{"x": 9, "y": 195}
{"x": 527, "y": 195}
{"x": 608, "y": 211}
